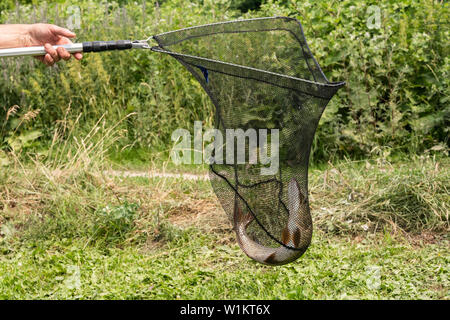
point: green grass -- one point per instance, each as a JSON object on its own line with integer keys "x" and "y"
{"x": 191, "y": 265}
{"x": 81, "y": 234}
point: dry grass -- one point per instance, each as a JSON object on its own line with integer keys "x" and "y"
{"x": 370, "y": 196}
{"x": 62, "y": 194}
{"x": 353, "y": 199}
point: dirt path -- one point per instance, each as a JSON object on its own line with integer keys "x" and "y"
{"x": 155, "y": 174}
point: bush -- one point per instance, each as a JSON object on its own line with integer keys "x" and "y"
{"x": 396, "y": 98}
{"x": 397, "y": 74}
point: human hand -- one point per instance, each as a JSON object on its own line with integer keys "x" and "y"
{"x": 48, "y": 34}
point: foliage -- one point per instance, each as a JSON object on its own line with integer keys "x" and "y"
{"x": 70, "y": 229}
{"x": 396, "y": 98}
{"x": 397, "y": 94}
{"x": 155, "y": 88}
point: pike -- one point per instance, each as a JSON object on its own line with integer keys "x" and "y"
{"x": 296, "y": 236}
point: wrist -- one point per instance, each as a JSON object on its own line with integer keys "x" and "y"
{"x": 15, "y": 35}
{"x": 24, "y": 35}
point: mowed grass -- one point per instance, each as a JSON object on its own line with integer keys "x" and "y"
{"x": 77, "y": 233}
{"x": 193, "y": 265}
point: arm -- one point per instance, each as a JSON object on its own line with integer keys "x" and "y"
{"x": 27, "y": 35}
{"x": 14, "y": 35}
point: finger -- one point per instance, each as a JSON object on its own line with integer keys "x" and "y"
{"x": 64, "y": 40}
{"x": 78, "y": 56}
{"x": 63, "y": 53}
{"x": 48, "y": 60}
{"x": 62, "y": 32}
{"x": 52, "y": 52}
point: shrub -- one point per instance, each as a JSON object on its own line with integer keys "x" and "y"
{"x": 396, "y": 98}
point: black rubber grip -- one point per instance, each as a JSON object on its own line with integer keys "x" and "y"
{"x": 97, "y": 46}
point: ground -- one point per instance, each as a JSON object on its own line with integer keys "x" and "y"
{"x": 91, "y": 234}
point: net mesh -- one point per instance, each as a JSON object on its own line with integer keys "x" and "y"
{"x": 261, "y": 77}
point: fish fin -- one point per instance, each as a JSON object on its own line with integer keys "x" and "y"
{"x": 296, "y": 237}
{"x": 240, "y": 217}
{"x": 285, "y": 236}
{"x": 271, "y": 260}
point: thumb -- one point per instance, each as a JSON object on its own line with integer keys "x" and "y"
{"x": 58, "y": 31}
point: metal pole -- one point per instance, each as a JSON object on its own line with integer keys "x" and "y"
{"x": 38, "y": 51}
{"x": 94, "y": 46}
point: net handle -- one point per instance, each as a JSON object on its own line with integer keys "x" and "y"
{"x": 93, "y": 46}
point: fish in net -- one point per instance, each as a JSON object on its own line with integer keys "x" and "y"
{"x": 269, "y": 93}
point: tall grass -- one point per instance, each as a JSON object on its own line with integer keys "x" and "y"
{"x": 154, "y": 90}
{"x": 67, "y": 193}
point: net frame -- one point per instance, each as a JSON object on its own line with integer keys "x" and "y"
{"x": 201, "y": 67}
